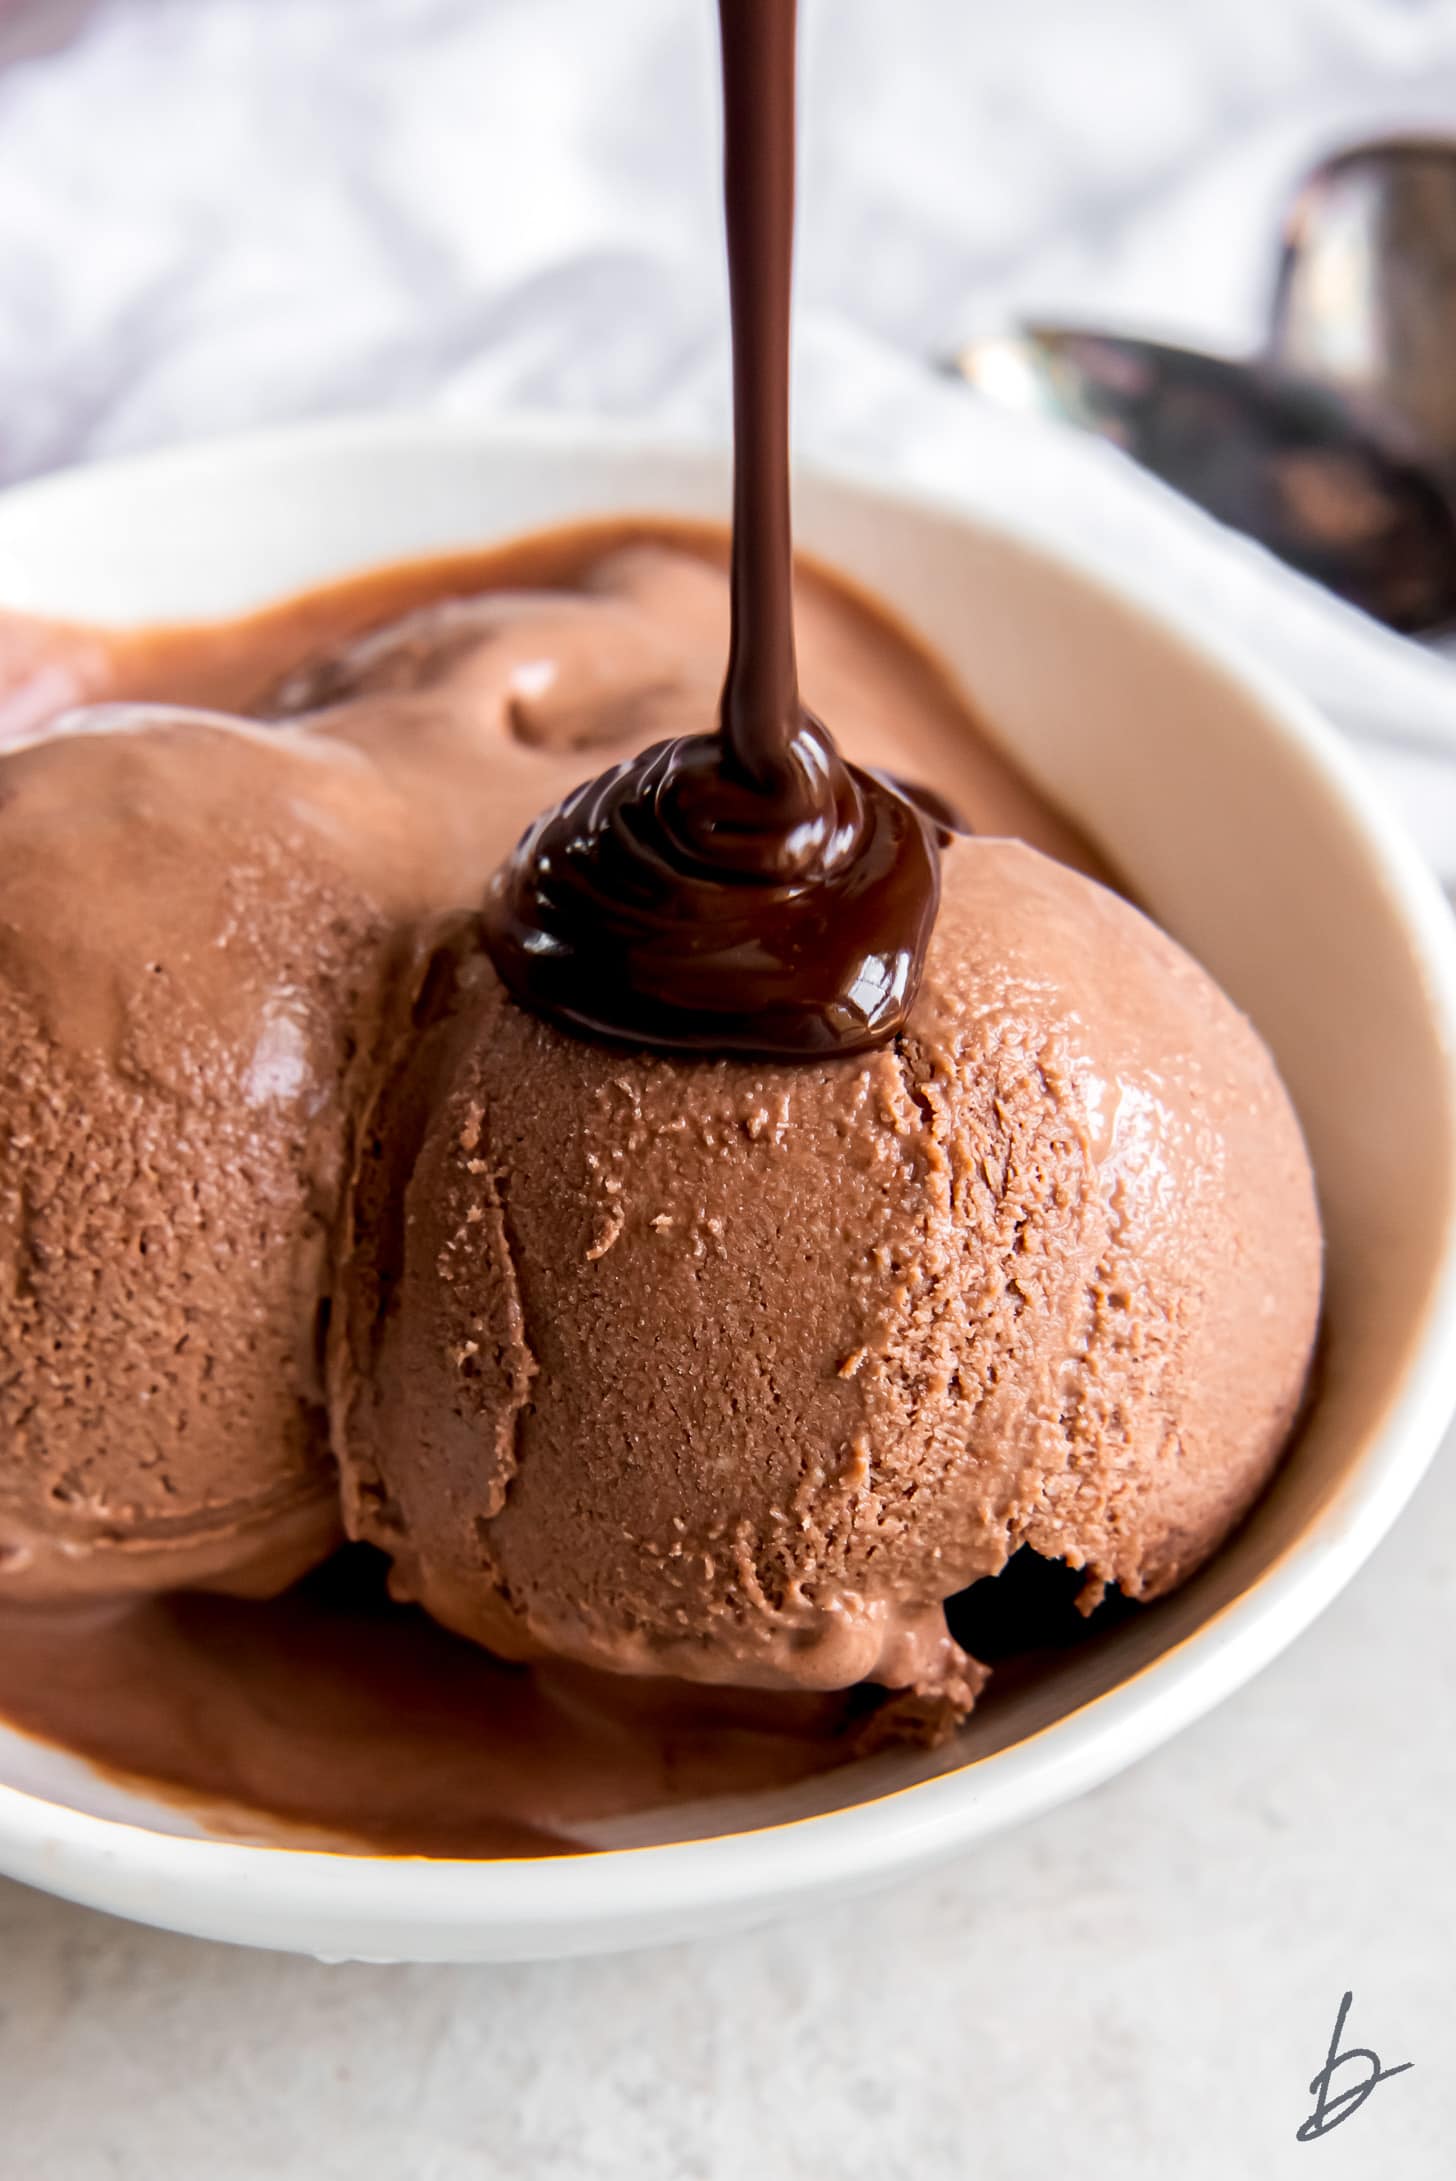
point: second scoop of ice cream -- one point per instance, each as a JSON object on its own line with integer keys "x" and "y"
{"x": 195, "y": 928}
{"x": 737, "y": 1371}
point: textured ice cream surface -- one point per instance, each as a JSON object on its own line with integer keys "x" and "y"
{"x": 195, "y": 920}
{"x": 737, "y": 1371}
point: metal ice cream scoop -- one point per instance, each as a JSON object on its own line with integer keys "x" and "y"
{"x": 1336, "y": 448}
{"x": 1366, "y": 295}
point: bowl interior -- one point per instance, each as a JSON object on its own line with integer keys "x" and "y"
{"x": 1229, "y": 815}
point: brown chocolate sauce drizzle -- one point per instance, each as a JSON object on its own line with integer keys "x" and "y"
{"x": 748, "y": 890}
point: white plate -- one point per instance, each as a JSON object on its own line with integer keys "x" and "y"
{"x": 1247, "y": 830}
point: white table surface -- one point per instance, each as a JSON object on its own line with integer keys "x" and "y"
{"x": 1143, "y": 1983}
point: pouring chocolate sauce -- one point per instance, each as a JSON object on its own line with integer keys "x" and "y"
{"x": 744, "y": 891}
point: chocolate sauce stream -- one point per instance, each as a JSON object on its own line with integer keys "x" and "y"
{"x": 747, "y": 891}
{"x": 761, "y": 712}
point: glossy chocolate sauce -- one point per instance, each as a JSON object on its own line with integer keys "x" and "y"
{"x": 744, "y": 891}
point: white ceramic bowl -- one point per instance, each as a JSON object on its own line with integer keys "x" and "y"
{"x": 1248, "y": 832}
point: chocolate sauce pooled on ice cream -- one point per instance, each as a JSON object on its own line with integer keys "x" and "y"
{"x": 747, "y": 891}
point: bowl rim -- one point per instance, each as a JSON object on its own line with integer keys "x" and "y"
{"x": 213, "y": 1886}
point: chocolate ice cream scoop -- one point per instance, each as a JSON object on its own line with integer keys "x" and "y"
{"x": 488, "y": 707}
{"x": 195, "y": 924}
{"x": 558, "y": 671}
{"x": 736, "y": 1370}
